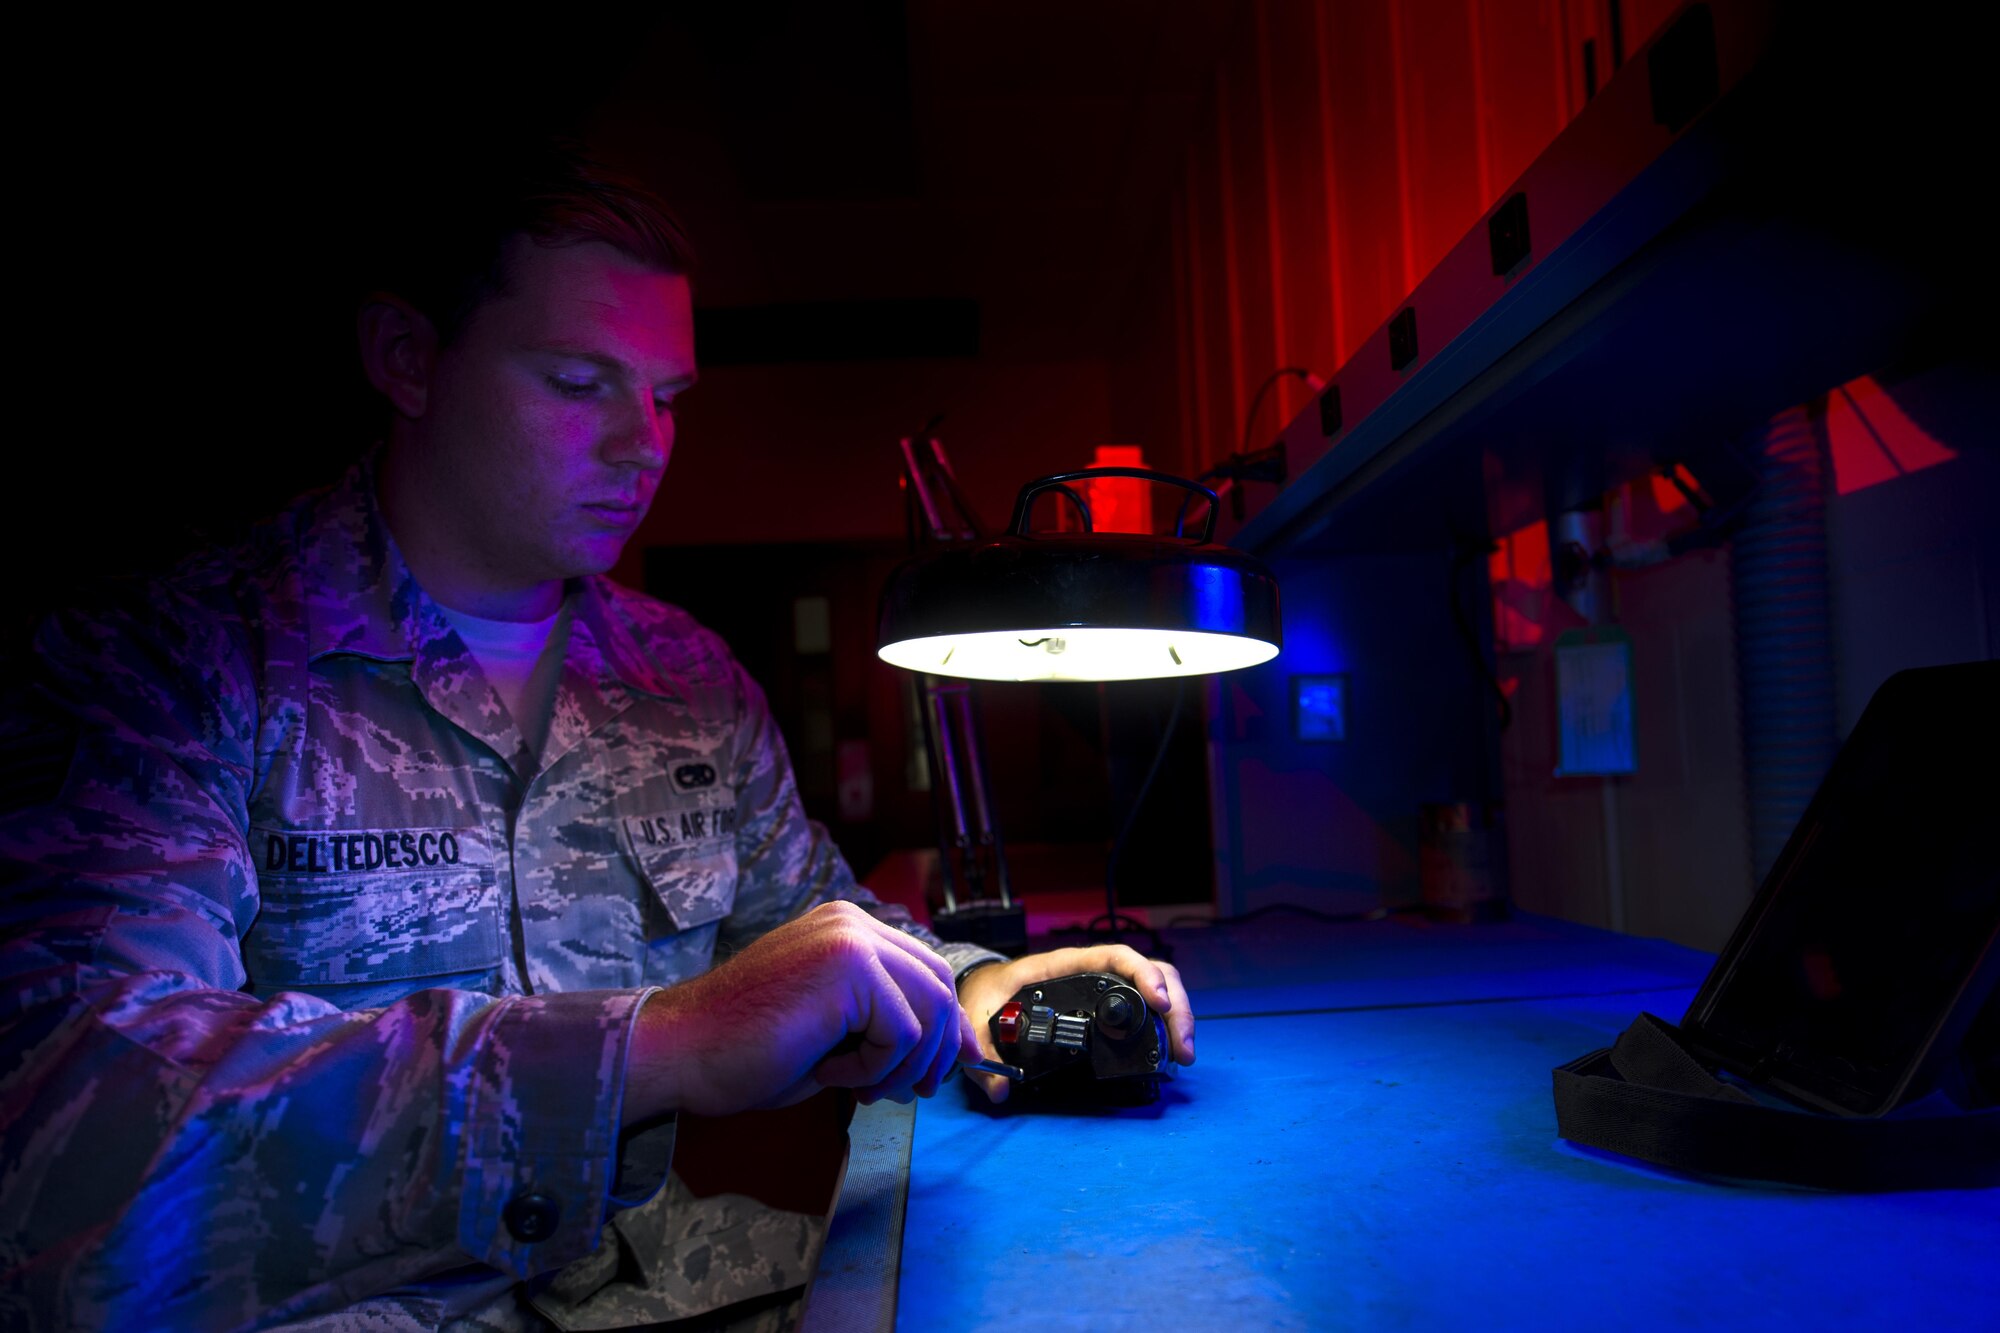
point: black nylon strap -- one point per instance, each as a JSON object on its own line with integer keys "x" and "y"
{"x": 1650, "y": 1053}
{"x": 1648, "y": 1097}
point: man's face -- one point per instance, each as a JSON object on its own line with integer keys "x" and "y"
{"x": 551, "y": 416}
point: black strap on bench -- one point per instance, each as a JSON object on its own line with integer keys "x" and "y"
{"x": 1648, "y": 1097}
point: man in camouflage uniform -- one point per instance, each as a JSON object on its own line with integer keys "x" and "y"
{"x": 355, "y": 977}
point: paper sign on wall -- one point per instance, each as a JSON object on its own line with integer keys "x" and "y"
{"x": 1595, "y": 732}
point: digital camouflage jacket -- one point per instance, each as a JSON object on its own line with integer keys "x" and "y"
{"x": 310, "y": 971}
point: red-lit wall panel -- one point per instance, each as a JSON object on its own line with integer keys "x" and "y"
{"x": 1523, "y": 101}
{"x": 1154, "y": 412}
{"x": 1441, "y": 137}
{"x": 1347, "y": 147}
{"x": 1299, "y": 240}
{"x": 1374, "y": 270}
{"x": 1216, "y": 308}
{"x": 1247, "y": 211}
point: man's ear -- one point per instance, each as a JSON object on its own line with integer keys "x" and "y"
{"x": 398, "y": 351}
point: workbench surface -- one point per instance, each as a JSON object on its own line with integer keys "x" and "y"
{"x": 1368, "y": 1140}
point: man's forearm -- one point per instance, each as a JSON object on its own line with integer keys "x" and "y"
{"x": 652, "y": 1082}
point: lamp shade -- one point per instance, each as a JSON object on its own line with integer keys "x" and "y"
{"x": 1080, "y": 606}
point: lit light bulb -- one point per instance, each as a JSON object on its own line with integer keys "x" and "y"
{"x": 1078, "y": 653}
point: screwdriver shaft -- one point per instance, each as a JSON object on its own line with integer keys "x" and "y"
{"x": 1014, "y": 1072}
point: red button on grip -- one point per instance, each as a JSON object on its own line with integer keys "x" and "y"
{"x": 1007, "y": 1023}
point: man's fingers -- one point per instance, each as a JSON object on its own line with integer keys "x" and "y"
{"x": 975, "y": 1042}
{"x": 943, "y": 1061}
{"x": 938, "y": 1012}
{"x": 888, "y": 1028}
{"x": 1180, "y": 1018}
{"x": 1148, "y": 977}
{"x": 911, "y": 1030}
{"x": 961, "y": 1044}
{"x": 965, "y": 1044}
{"x": 1161, "y": 984}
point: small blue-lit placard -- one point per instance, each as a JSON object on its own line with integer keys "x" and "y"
{"x": 1319, "y": 708}
{"x": 1595, "y": 733}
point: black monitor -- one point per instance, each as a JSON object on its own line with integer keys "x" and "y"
{"x": 1853, "y": 980}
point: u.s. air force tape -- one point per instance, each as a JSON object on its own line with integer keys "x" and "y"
{"x": 360, "y": 851}
{"x": 673, "y": 828}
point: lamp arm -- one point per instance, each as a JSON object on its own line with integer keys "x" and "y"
{"x": 986, "y": 825}
{"x": 973, "y": 527}
{"x": 913, "y": 477}
{"x": 947, "y": 513}
{"x": 967, "y": 826}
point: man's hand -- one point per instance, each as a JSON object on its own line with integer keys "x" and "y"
{"x": 833, "y": 999}
{"x": 987, "y": 988}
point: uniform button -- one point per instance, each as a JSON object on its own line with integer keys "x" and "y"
{"x": 531, "y": 1217}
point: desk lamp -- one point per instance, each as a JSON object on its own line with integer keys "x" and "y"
{"x": 1069, "y": 606}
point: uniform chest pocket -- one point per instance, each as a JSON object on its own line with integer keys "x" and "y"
{"x": 688, "y": 859}
{"x": 371, "y": 905}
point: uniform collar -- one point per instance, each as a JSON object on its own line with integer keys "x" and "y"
{"x": 360, "y": 596}
{"x": 362, "y": 600}
{"x": 600, "y": 612}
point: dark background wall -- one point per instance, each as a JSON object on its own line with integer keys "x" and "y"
{"x": 1145, "y": 209}
{"x": 195, "y": 186}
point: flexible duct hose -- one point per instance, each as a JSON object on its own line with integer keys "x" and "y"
{"x": 1784, "y": 633}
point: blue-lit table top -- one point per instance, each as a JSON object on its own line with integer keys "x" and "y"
{"x": 1367, "y": 1140}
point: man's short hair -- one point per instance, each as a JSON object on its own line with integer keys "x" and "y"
{"x": 441, "y": 235}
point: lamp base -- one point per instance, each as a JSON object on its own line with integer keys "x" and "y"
{"x": 988, "y": 922}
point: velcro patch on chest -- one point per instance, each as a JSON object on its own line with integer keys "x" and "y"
{"x": 693, "y": 777}
{"x": 366, "y": 851}
{"x": 675, "y": 828}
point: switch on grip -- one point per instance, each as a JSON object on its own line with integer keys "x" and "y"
{"x": 1088, "y": 1034}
